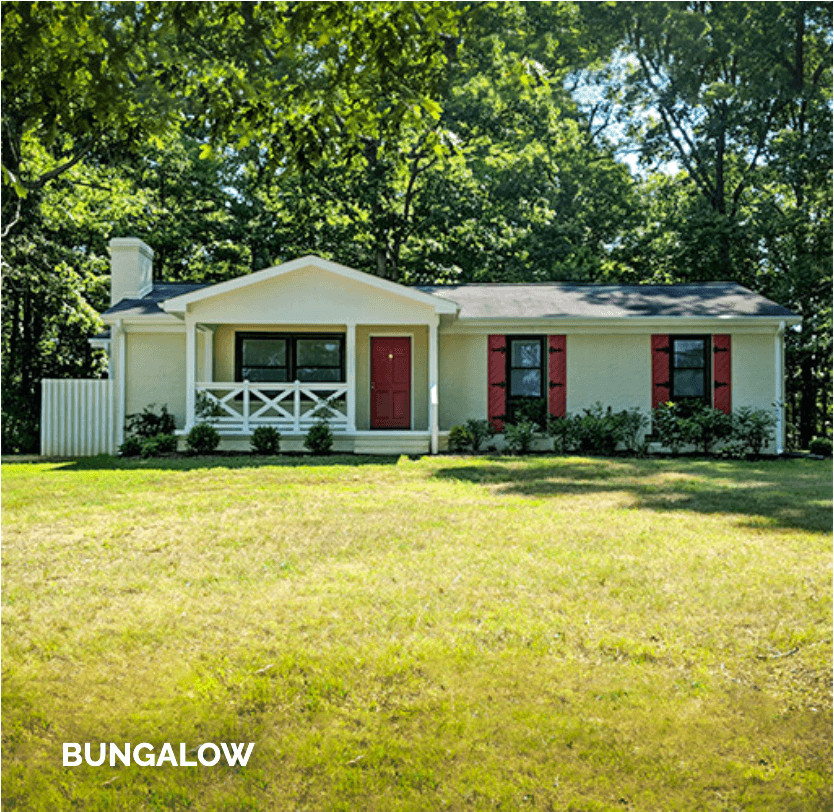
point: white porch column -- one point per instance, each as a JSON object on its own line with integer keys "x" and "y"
{"x": 350, "y": 376}
{"x": 779, "y": 391}
{"x": 433, "y": 392}
{"x": 207, "y": 355}
{"x": 190, "y": 370}
{"x": 118, "y": 358}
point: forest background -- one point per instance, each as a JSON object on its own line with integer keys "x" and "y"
{"x": 423, "y": 142}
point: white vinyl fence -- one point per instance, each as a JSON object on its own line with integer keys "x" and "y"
{"x": 77, "y": 418}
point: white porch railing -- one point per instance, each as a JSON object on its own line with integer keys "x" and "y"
{"x": 239, "y": 408}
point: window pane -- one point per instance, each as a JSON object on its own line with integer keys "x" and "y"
{"x": 689, "y": 383}
{"x": 264, "y": 374}
{"x": 526, "y": 354}
{"x": 318, "y": 374}
{"x": 689, "y": 354}
{"x": 526, "y": 382}
{"x": 265, "y": 352}
{"x": 317, "y": 352}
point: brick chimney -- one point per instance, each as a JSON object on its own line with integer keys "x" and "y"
{"x": 131, "y": 269}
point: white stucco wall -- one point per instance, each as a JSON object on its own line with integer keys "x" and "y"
{"x": 155, "y": 365}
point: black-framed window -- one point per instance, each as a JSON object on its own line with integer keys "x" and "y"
{"x": 282, "y": 357}
{"x": 526, "y": 377}
{"x": 689, "y": 368}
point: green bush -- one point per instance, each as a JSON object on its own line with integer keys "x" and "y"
{"x": 597, "y": 431}
{"x": 479, "y": 431}
{"x": 266, "y": 440}
{"x": 459, "y": 439}
{"x": 319, "y": 439}
{"x": 149, "y": 424}
{"x": 705, "y": 426}
{"x": 202, "y": 439}
{"x": 131, "y": 447}
{"x": 160, "y": 444}
{"x": 631, "y": 425}
{"x": 821, "y": 446}
{"x": 666, "y": 421}
{"x": 520, "y": 436}
{"x": 753, "y": 428}
{"x": 563, "y": 430}
{"x": 470, "y": 436}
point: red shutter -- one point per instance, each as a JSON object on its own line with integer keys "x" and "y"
{"x": 557, "y": 352}
{"x": 661, "y": 388}
{"x": 497, "y": 380}
{"x": 721, "y": 365}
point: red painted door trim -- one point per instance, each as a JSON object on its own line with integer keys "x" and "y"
{"x": 390, "y": 382}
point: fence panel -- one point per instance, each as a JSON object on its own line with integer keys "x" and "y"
{"x": 77, "y": 418}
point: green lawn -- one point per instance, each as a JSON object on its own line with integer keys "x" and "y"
{"x": 447, "y": 633}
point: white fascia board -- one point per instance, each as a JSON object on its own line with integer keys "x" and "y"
{"x": 99, "y": 343}
{"x": 179, "y": 304}
{"x": 624, "y": 324}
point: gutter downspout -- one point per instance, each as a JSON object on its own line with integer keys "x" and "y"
{"x": 121, "y": 357}
{"x": 779, "y": 364}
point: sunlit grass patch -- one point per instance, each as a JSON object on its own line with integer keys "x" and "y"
{"x": 437, "y": 633}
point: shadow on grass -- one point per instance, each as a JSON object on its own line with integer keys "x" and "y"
{"x": 105, "y": 462}
{"x": 786, "y": 493}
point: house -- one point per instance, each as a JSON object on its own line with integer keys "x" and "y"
{"x": 394, "y": 367}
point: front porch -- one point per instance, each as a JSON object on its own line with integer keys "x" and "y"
{"x": 348, "y": 401}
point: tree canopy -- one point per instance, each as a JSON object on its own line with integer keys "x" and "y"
{"x": 424, "y": 142}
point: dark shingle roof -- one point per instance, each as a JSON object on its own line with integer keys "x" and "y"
{"x": 565, "y": 300}
{"x": 548, "y": 300}
{"x": 149, "y": 305}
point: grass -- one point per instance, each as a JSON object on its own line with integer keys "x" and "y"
{"x": 444, "y": 633}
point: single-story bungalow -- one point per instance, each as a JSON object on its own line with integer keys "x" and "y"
{"x": 395, "y": 367}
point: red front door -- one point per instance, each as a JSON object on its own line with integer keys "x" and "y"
{"x": 390, "y": 383}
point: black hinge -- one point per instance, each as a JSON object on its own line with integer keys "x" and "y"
{"x": 502, "y": 384}
{"x": 665, "y": 384}
{"x": 719, "y": 384}
{"x": 667, "y": 350}
{"x": 500, "y": 349}
{"x": 720, "y": 349}
{"x": 556, "y": 349}
{"x": 554, "y": 385}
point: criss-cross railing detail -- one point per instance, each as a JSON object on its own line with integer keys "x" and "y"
{"x": 234, "y": 408}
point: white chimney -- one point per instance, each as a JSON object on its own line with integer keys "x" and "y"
{"x": 131, "y": 269}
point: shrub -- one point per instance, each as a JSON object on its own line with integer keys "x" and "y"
{"x": 666, "y": 420}
{"x": 459, "y": 439}
{"x": 631, "y": 424}
{"x": 266, "y": 440}
{"x": 160, "y": 444}
{"x": 821, "y": 446}
{"x": 319, "y": 439}
{"x": 206, "y": 407}
{"x": 479, "y": 431}
{"x": 705, "y": 426}
{"x": 529, "y": 410}
{"x": 564, "y": 432}
{"x": 131, "y": 447}
{"x": 597, "y": 431}
{"x": 519, "y": 436}
{"x": 753, "y": 428}
{"x": 202, "y": 439}
{"x": 149, "y": 424}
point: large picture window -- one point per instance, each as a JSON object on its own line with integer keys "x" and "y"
{"x": 689, "y": 368}
{"x": 525, "y": 377}
{"x": 283, "y": 357}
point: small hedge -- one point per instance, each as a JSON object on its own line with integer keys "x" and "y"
{"x": 266, "y": 440}
{"x": 202, "y": 439}
{"x": 319, "y": 439}
{"x": 820, "y": 446}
